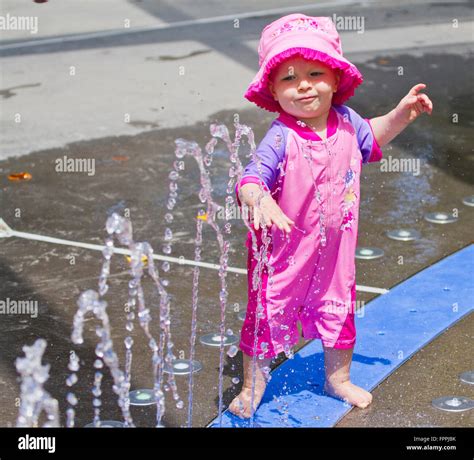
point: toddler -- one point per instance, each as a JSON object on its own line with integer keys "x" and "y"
{"x": 307, "y": 193}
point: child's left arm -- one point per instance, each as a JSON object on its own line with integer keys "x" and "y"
{"x": 388, "y": 126}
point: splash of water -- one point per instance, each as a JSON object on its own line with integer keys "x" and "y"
{"x": 34, "y": 399}
{"x": 187, "y": 148}
{"x": 121, "y": 228}
{"x": 183, "y": 148}
{"x": 70, "y": 381}
{"x": 261, "y": 255}
{"x": 89, "y": 301}
{"x": 163, "y": 350}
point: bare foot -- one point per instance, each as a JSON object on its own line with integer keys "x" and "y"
{"x": 240, "y": 406}
{"x": 349, "y": 392}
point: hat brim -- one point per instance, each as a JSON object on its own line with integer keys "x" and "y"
{"x": 350, "y": 77}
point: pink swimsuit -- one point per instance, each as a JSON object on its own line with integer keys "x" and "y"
{"x": 316, "y": 183}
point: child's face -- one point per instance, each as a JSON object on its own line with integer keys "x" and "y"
{"x": 297, "y": 78}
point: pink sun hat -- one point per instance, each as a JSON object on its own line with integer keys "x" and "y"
{"x": 313, "y": 38}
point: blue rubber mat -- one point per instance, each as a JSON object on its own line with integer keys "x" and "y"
{"x": 394, "y": 327}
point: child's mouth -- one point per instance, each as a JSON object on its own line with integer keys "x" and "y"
{"x": 307, "y": 99}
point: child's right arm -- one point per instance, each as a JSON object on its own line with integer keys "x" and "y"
{"x": 271, "y": 152}
{"x": 267, "y": 211}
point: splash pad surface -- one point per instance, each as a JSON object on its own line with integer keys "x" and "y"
{"x": 394, "y": 327}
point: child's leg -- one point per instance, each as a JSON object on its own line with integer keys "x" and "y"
{"x": 240, "y": 406}
{"x": 337, "y": 363}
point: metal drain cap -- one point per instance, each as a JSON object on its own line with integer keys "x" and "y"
{"x": 368, "y": 253}
{"x": 403, "y": 235}
{"x": 440, "y": 218}
{"x": 453, "y": 403}
{"x": 107, "y": 424}
{"x": 468, "y": 200}
{"x": 214, "y": 340}
{"x": 467, "y": 377}
{"x": 183, "y": 367}
{"x": 142, "y": 398}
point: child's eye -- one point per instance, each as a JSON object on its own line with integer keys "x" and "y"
{"x": 291, "y": 76}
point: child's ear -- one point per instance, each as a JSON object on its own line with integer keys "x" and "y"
{"x": 338, "y": 79}
{"x": 272, "y": 90}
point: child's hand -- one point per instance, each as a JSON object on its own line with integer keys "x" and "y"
{"x": 270, "y": 213}
{"x": 414, "y": 104}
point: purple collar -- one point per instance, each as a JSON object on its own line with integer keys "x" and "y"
{"x": 304, "y": 131}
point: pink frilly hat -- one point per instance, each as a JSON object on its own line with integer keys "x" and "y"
{"x": 314, "y": 38}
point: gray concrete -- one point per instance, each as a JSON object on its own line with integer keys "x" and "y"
{"x": 82, "y": 117}
{"x": 81, "y": 90}
{"x": 404, "y": 399}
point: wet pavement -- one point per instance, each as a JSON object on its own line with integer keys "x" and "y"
{"x": 131, "y": 175}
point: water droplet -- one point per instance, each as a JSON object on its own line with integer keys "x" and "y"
{"x": 74, "y": 365}
{"x": 71, "y": 380}
{"x": 71, "y": 399}
{"x": 173, "y": 186}
{"x": 180, "y": 152}
{"x": 232, "y": 351}
{"x": 223, "y": 295}
{"x": 108, "y": 252}
{"x": 455, "y": 402}
{"x": 128, "y": 342}
{"x": 168, "y": 234}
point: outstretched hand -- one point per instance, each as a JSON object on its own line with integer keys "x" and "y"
{"x": 414, "y": 104}
{"x": 269, "y": 213}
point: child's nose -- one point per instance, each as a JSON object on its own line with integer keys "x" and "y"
{"x": 303, "y": 84}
